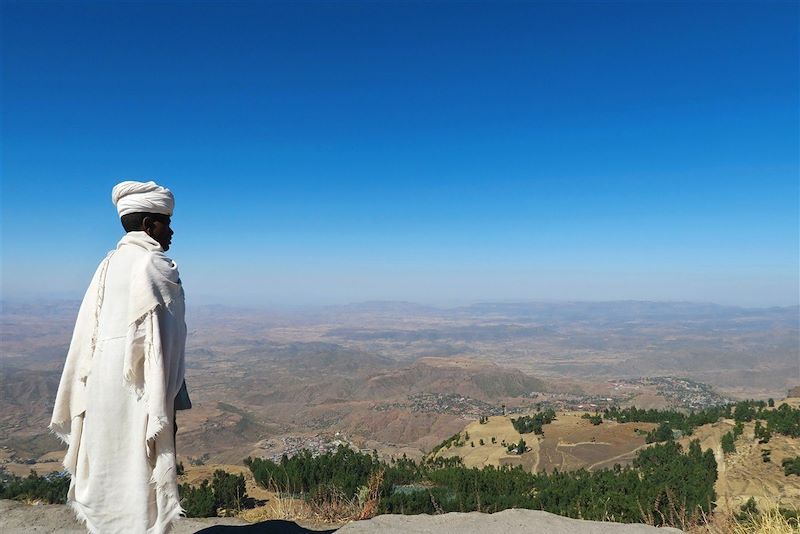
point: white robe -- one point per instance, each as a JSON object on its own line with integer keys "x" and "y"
{"x": 114, "y": 406}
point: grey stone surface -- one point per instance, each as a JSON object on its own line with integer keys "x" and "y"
{"x": 514, "y": 521}
{"x": 19, "y": 518}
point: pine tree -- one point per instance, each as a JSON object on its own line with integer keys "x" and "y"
{"x": 229, "y": 490}
{"x": 198, "y": 501}
{"x": 728, "y": 445}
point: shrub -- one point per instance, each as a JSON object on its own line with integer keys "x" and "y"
{"x": 791, "y": 466}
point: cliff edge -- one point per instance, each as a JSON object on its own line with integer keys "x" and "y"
{"x": 19, "y": 518}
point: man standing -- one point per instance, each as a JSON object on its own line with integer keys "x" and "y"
{"x": 125, "y": 366}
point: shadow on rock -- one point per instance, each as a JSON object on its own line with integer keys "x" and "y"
{"x": 275, "y": 526}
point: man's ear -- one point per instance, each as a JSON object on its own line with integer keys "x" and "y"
{"x": 147, "y": 224}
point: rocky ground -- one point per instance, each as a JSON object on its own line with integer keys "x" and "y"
{"x": 19, "y": 518}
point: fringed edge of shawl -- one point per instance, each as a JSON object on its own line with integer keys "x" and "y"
{"x": 158, "y": 426}
{"x": 133, "y": 371}
{"x": 60, "y": 431}
{"x": 81, "y": 516}
{"x": 164, "y": 471}
{"x": 162, "y": 479}
{"x": 131, "y": 376}
{"x": 164, "y": 467}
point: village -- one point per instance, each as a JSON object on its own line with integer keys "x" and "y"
{"x": 682, "y": 392}
{"x": 318, "y": 444}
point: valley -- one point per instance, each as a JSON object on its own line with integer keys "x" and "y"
{"x": 398, "y": 379}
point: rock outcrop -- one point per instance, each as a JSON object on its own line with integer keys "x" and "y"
{"x": 19, "y": 518}
{"x": 514, "y": 521}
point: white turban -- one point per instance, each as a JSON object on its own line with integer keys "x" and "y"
{"x": 148, "y": 197}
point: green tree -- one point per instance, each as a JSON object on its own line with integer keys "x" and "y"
{"x": 533, "y": 423}
{"x": 659, "y": 477}
{"x": 198, "y": 501}
{"x": 662, "y": 433}
{"x": 229, "y": 490}
{"x": 738, "y": 429}
{"x": 727, "y": 442}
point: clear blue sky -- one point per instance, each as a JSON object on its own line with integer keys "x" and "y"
{"x": 437, "y": 152}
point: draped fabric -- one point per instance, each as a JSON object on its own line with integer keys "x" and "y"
{"x": 148, "y": 197}
{"x": 115, "y": 402}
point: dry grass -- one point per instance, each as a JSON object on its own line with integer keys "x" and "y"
{"x": 369, "y": 506}
{"x": 770, "y": 521}
{"x": 331, "y": 505}
{"x": 328, "y": 506}
{"x": 279, "y": 507}
{"x": 675, "y": 515}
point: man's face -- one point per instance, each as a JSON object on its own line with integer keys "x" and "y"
{"x": 158, "y": 228}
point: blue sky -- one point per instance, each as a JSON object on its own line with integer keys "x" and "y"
{"x": 438, "y": 152}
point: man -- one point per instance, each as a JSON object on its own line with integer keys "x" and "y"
{"x": 125, "y": 366}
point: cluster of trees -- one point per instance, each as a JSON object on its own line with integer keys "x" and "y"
{"x": 663, "y": 479}
{"x": 749, "y": 514}
{"x": 662, "y": 432}
{"x": 198, "y": 501}
{"x": 595, "y": 419}
{"x": 50, "y": 488}
{"x": 676, "y": 420}
{"x": 782, "y": 420}
{"x": 455, "y": 440}
{"x": 519, "y": 447}
{"x": 305, "y": 473}
{"x": 226, "y": 493}
{"x": 763, "y": 434}
{"x": 533, "y": 423}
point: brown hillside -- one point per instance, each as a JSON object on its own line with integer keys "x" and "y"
{"x": 480, "y": 380}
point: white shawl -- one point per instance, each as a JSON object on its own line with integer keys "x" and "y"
{"x": 114, "y": 406}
